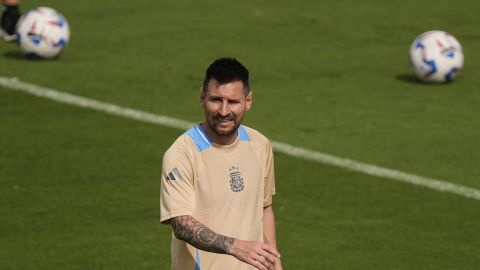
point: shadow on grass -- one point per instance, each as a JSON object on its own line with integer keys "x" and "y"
{"x": 18, "y": 55}
{"x": 412, "y": 79}
{"x": 14, "y": 55}
{"x": 409, "y": 78}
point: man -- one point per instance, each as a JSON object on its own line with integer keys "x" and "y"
{"x": 10, "y": 16}
{"x": 218, "y": 181}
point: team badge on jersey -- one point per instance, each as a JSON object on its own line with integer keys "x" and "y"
{"x": 236, "y": 180}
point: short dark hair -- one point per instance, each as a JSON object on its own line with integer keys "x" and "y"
{"x": 227, "y": 70}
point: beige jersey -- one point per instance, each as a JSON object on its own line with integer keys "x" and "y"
{"x": 224, "y": 187}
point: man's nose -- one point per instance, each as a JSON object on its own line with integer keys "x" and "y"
{"x": 225, "y": 109}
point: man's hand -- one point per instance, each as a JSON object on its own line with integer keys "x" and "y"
{"x": 257, "y": 254}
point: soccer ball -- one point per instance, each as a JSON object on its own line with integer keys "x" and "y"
{"x": 42, "y": 33}
{"x": 436, "y": 56}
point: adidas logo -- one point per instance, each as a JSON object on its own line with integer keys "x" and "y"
{"x": 174, "y": 175}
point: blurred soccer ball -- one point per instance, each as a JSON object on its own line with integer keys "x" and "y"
{"x": 436, "y": 56}
{"x": 42, "y": 33}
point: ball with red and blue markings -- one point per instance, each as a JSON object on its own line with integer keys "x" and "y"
{"x": 436, "y": 56}
{"x": 42, "y": 32}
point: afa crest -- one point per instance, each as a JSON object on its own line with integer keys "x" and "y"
{"x": 236, "y": 180}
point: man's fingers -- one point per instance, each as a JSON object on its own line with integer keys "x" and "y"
{"x": 265, "y": 263}
{"x": 271, "y": 250}
{"x": 259, "y": 265}
{"x": 260, "y": 255}
{"x": 269, "y": 257}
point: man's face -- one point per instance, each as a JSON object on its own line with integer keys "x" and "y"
{"x": 225, "y": 106}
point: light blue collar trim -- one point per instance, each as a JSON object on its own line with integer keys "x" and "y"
{"x": 203, "y": 142}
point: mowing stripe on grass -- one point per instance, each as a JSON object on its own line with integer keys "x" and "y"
{"x": 291, "y": 150}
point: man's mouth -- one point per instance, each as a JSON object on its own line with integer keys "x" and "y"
{"x": 224, "y": 120}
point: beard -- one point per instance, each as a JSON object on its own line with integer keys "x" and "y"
{"x": 214, "y": 126}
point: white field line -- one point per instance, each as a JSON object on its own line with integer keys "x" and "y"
{"x": 291, "y": 150}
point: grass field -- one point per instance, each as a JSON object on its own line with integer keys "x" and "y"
{"x": 79, "y": 188}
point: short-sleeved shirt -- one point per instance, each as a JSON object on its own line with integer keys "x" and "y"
{"x": 225, "y": 187}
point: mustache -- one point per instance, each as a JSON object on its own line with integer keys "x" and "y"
{"x": 228, "y": 117}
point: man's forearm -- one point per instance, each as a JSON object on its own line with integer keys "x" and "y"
{"x": 255, "y": 253}
{"x": 190, "y": 230}
{"x": 269, "y": 234}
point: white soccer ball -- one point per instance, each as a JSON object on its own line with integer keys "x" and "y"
{"x": 42, "y": 33}
{"x": 436, "y": 56}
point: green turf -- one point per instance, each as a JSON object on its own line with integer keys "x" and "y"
{"x": 79, "y": 189}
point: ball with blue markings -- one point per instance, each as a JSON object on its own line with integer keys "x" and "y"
{"x": 436, "y": 56}
{"x": 42, "y": 33}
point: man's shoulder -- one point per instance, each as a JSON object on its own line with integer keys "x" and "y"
{"x": 182, "y": 145}
{"x": 256, "y": 136}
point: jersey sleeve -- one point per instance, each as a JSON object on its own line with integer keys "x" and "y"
{"x": 177, "y": 196}
{"x": 269, "y": 177}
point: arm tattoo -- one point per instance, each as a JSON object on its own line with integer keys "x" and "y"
{"x": 188, "y": 229}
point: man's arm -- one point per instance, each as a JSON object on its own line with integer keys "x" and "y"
{"x": 190, "y": 230}
{"x": 269, "y": 235}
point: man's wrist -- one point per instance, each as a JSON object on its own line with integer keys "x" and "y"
{"x": 232, "y": 246}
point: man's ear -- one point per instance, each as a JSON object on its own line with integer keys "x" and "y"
{"x": 202, "y": 97}
{"x": 248, "y": 100}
